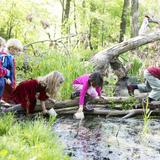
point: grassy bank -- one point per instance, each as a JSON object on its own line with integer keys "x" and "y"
{"x": 28, "y": 140}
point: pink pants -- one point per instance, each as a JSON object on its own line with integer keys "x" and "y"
{"x": 91, "y": 90}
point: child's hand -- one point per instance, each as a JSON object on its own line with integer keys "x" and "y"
{"x": 52, "y": 100}
{"x": 80, "y": 108}
{"x": 8, "y": 81}
{"x": 97, "y": 98}
{"x": 45, "y": 111}
{"x": 79, "y": 115}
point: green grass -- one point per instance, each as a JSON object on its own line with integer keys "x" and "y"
{"x": 146, "y": 117}
{"x": 6, "y": 123}
{"x": 71, "y": 66}
{"x": 28, "y": 140}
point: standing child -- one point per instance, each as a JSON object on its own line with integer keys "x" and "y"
{"x": 27, "y": 92}
{"x": 90, "y": 84}
{"x": 8, "y": 62}
{"x": 3, "y": 71}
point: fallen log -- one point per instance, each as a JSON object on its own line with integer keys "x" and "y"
{"x": 75, "y": 102}
{"x": 112, "y": 100}
{"x": 102, "y": 101}
{"x": 109, "y": 106}
{"x": 102, "y": 59}
{"x": 66, "y": 109}
{"x": 66, "y": 103}
{"x": 117, "y": 113}
{"x": 117, "y": 107}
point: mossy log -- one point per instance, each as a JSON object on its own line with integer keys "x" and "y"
{"x": 117, "y": 113}
{"x": 108, "y": 106}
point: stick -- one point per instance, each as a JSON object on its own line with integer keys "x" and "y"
{"x": 79, "y": 125}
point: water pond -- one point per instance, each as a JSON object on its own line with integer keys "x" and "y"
{"x": 100, "y": 138}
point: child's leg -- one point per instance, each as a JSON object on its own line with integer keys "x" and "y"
{"x": 146, "y": 87}
{"x": 7, "y": 92}
{"x": 155, "y": 86}
{"x": 77, "y": 88}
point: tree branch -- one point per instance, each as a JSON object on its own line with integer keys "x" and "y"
{"x": 102, "y": 59}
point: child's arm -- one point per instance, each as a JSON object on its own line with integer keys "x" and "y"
{"x": 12, "y": 71}
{"x": 52, "y": 100}
{"x": 99, "y": 90}
{"x": 8, "y": 81}
{"x": 27, "y": 106}
{"x": 44, "y": 107}
{"x": 27, "y": 111}
{"x": 82, "y": 95}
{"x": 80, "y": 108}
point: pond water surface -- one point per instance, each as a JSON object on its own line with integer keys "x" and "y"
{"x": 100, "y": 138}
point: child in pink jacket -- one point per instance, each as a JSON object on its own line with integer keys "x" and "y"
{"x": 90, "y": 84}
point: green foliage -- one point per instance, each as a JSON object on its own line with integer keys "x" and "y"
{"x": 136, "y": 65}
{"x": 29, "y": 140}
{"x": 109, "y": 89}
{"x": 6, "y": 123}
{"x": 71, "y": 66}
{"x": 131, "y": 102}
{"x": 146, "y": 116}
{"x": 14, "y": 22}
{"x": 98, "y": 18}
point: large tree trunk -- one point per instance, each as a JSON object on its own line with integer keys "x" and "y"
{"x": 75, "y": 18}
{"x": 123, "y": 19}
{"x": 102, "y": 59}
{"x": 134, "y": 18}
{"x": 90, "y": 36}
{"x": 66, "y": 17}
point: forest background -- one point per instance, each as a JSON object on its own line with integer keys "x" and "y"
{"x": 64, "y": 34}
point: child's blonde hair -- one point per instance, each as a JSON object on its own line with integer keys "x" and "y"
{"x": 2, "y": 42}
{"x": 14, "y": 43}
{"x": 53, "y": 81}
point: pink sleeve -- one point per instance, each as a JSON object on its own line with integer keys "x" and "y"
{"x": 83, "y": 93}
{"x": 98, "y": 89}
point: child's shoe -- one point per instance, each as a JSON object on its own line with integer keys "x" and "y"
{"x": 75, "y": 94}
{"x": 130, "y": 90}
{"x": 89, "y": 107}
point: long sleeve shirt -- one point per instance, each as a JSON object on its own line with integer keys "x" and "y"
{"x": 83, "y": 80}
{"x": 8, "y": 62}
{"x": 25, "y": 94}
